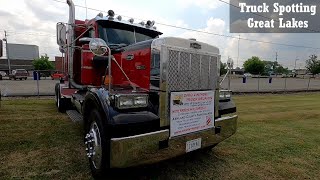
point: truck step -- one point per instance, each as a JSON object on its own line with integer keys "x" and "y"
{"x": 74, "y": 116}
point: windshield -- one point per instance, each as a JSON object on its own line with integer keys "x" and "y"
{"x": 122, "y": 34}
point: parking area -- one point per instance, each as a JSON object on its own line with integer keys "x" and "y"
{"x": 45, "y": 86}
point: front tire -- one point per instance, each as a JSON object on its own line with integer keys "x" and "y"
{"x": 97, "y": 144}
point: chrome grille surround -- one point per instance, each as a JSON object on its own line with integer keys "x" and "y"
{"x": 185, "y": 69}
{"x": 189, "y": 71}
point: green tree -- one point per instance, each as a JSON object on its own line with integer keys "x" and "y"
{"x": 313, "y": 64}
{"x": 43, "y": 63}
{"x": 281, "y": 70}
{"x": 270, "y": 66}
{"x": 275, "y": 67}
{"x": 223, "y": 68}
{"x": 254, "y": 65}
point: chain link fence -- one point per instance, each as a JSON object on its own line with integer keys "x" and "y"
{"x": 35, "y": 83}
{"x": 45, "y": 83}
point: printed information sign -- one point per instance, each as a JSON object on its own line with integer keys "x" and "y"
{"x": 191, "y": 111}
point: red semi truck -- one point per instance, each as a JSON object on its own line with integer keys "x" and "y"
{"x": 141, "y": 98}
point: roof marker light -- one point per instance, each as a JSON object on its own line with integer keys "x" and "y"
{"x": 149, "y": 24}
{"x": 131, "y": 20}
{"x": 100, "y": 14}
{"x": 110, "y": 13}
{"x": 142, "y": 23}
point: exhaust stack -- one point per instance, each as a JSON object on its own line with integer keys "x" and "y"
{"x": 71, "y": 37}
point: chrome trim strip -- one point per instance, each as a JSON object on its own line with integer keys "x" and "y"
{"x": 190, "y": 62}
{"x": 140, "y": 135}
{"x": 179, "y": 66}
{"x": 226, "y": 117}
{"x": 200, "y": 64}
{"x": 210, "y": 58}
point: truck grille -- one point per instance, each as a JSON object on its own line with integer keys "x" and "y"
{"x": 188, "y": 71}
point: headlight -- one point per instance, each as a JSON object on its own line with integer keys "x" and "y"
{"x": 141, "y": 100}
{"x": 225, "y": 95}
{"x": 126, "y": 101}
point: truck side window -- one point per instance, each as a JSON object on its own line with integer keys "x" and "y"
{"x": 91, "y": 33}
{"x": 155, "y": 63}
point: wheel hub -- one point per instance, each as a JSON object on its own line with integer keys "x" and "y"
{"x": 93, "y": 145}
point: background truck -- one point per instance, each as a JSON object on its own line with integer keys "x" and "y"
{"x": 141, "y": 98}
{"x": 19, "y": 74}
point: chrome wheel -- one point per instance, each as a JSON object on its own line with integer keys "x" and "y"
{"x": 93, "y": 145}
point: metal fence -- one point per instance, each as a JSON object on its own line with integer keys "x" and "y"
{"x": 272, "y": 84}
{"x": 44, "y": 86}
{"x": 38, "y": 83}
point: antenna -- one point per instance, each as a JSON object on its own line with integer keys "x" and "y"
{"x": 85, "y": 1}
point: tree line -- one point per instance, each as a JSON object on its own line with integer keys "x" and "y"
{"x": 256, "y": 66}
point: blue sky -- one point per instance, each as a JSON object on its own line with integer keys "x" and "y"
{"x": 33, "y": 22}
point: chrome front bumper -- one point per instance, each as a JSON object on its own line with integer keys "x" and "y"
{"x": 145, "y": 148}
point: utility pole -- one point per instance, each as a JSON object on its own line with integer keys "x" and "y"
{"x": 7, "y": 51}
{"x": 229, "y": 64}
{"x": 295, "y": 63}
{"x": 85, "y": 1}
{"x": 276, "y": 56}
{"x": 238, "y": 51}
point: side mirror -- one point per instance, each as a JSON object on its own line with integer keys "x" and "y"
{"x": 230, "y": 63}
{"x": 61, "y": 34}
{"x": 1, "y": 48}
{"x": 98, "y": 46}
{"x": 85, "y": 40}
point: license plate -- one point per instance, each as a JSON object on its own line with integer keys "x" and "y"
{"x": 193, "y": 145}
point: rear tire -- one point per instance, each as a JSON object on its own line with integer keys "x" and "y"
{"x": 62, "y": 104}
{"x": 56, "y": 89}
{"x": 100, "y": 160}
{"x": 25, "y": 78}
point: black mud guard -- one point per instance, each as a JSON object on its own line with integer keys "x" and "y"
{"x": 227, "y": 107}
{"x": 96, "y": 98}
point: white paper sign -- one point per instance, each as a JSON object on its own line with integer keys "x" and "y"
{"x": 191, "y": 111}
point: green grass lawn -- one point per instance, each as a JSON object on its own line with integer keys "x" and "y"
{"x": 278, "y": 138}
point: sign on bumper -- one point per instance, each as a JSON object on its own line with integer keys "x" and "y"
{"x": 191, "y": 111}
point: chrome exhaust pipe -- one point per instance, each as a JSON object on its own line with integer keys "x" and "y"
{"x": 70, "y": 38}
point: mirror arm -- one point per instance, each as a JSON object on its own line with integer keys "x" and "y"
{"x": 225, "y": 76}
{"x": 131, "y": 84}
{"x": 90, "y": 27}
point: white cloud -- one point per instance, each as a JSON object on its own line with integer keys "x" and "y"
{"x": 229, "y": 46}
{"x": 204, "y": 4}
{"x": 33, "y": 22}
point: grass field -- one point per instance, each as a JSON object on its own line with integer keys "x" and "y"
{"x": 278, "y": 138}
